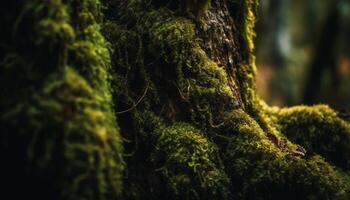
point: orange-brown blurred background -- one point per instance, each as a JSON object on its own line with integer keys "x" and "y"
{"x": 303, "y": 52}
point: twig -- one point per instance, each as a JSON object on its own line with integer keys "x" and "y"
{"x": 137, "y": 103}
{"x": 180, "y": 92}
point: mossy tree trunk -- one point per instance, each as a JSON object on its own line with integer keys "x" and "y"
{"x": 153, "y": 100}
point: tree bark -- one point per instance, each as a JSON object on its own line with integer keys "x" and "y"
{"x": 153, "y": 100}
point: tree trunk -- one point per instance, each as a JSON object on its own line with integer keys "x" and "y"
{"x": 324, "y": 60}
{"x": 153, "y": 100}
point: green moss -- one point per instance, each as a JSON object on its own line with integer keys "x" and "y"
{"x": 193, "y": 88}
{"x": 260, "y": 170}
{"x": 318, "y": 129}
{"x": 55, "y": 36}
{"x": 86, "y": 56}
{"x": 247, "y": 70}
{"x": 183, "y": 129}
{"x": 51, "y": 31}
{"x": 90, "y": 52}
{"x": 197, "y": 79}
{"x": 60, "y": 138}
{"x": 208, "y": 91}
{"x": 253, "y": 104}
{"x": 244, "y": 11}
{"x": 178, "y": 35}
{"x": 189, "y": 164}
{"x": 184, "y": 157}
{"x": 69, "y": 146}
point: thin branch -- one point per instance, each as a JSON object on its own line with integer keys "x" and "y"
{"x": 138, "y": 102}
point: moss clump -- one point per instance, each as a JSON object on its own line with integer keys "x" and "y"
{"x": 188, "y": 163}
{"x": 89, "y": 53}
{"x": 196, "y": 79}
{"x": 68, "y": 145}
{"x": 209, "y": 94}
{"x": 260, "y": 170}
{"x": 59, "y": 136}
{"x": 319, "y": 130}
{"x": 172, "y": 39}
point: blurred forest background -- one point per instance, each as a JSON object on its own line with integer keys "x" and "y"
{"x": 303, "y": 52}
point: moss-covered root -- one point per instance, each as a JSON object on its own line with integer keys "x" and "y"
{"x": 318, "y": 129}
{"x": 189, "y": 164}
{"x": 61, "y": 144}
{"x": 260, "y": 170}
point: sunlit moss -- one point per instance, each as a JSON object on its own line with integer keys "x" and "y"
{"x": 260, "y": 170}
{"x": 318, "y": 129}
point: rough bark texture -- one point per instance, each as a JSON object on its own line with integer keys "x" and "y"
{"x": 153, "y": 100}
